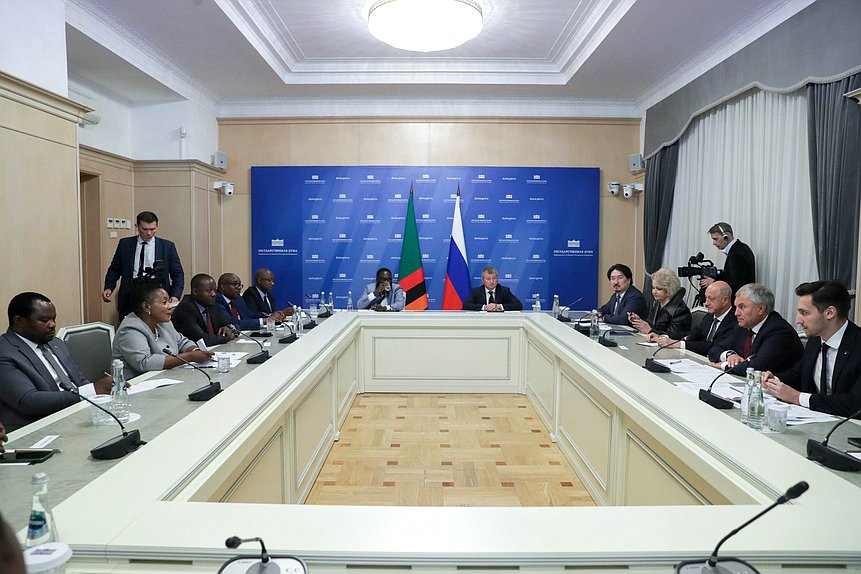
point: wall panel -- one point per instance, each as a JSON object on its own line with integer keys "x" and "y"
{"x": 566, "y": 142}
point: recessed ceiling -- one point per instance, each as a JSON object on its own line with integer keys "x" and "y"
{"x": 283, "y": 50}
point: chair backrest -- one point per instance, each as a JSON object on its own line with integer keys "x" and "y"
{"x": 697, "y": 314}
{"x": 90, "y": 345}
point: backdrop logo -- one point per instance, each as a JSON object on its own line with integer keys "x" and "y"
{"x": 573, "y": 243}
{"x": 277, "y": 243}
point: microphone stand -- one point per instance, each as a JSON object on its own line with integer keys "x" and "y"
{"x": 203, "y": 393}
{"x": 831, "y": 457}
{"x": 260, "y": 357}
{"x": 561, "y": 317}
{"x": 289, "y": 338}
{"x": 717, "y": 401}
{"x": 117, "y": 447}
{"x": 735, "y": 565}
{"x": 262, "y": 567}
{"x": 654, "y": 366}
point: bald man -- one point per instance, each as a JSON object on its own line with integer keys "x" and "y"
{"x": 715, "y": 328}
{"x": 260, "y": 299}
{"x": 233, "y": 306}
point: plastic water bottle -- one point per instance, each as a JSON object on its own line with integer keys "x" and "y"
{"x": 119, "y": 394}
{"x": 555, "y": 306}
{"x": 331, "y": 302}
{"x": 349, "y": 300}
{"x": 745, "y": 395}
{"x": 756, "y": 403}
{"x": 300, "y": 324}
{"x": 41, "y": 528}
{"x": 322, "y": 301}
{"x": 536, "y": 307}
{"x": 594, "y": 329}
{"x": 297, "y": 320}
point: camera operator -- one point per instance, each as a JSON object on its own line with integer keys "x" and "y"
{"x": 740, "y": 266}
{"x": 141, "y": 259}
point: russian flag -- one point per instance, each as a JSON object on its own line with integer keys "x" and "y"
{"x": 457, "y": 284}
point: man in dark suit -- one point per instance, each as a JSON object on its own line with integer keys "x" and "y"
{"x": 260, "y": 299}
{"x": 198, "y": 317}
{"x": 491, "y": 296}
{"x": 764, "y": 340}
{"x": 626, "y": 298}
{"x": 140, "y": 257}
{"x": 716, "y": 328}
{"x": 33, "y": 364}
{"x": 739, "y": 269}
{"x": 233, "y": 306}
{"x": 828, "y": 376}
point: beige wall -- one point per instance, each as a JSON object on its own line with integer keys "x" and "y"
{"x": 180, "y": 192}
{"x": 603, "y": 143}
{"x": 39, "y": 197}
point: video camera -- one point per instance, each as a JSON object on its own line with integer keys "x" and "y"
{"x": 698, "y": 265}
{"x": 150, "y": 274}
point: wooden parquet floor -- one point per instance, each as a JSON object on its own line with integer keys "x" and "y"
{"x": 446, "y": 450}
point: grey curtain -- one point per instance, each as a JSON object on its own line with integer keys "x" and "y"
{"x": 834, "y": 133}
{"x": 661, "y": 170}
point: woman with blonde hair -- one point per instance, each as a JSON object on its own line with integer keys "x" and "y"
{"x": 668, "y": 315}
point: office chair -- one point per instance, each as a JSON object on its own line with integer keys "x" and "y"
{"x": 697, "y": 314}
{"x": 90, "y": 346}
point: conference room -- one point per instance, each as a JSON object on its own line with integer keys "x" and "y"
{"x": 217, "y": 116}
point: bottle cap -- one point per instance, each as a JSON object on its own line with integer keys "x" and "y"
{"x": 46, "y": 557}
{"x": 40, "y": 478}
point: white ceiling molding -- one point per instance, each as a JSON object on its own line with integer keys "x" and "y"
{"x": 600, "y": 21}
{"x": 430, "y": 107}
{"x": 111, "y": 34}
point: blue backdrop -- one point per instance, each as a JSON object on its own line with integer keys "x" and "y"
{"x": 330, "y": 228}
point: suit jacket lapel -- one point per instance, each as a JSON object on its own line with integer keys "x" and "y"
{"x": 847, "y": 345}
{"x": 31, "y": 356}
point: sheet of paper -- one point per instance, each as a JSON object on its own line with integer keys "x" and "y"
{"x": 45, "y": 441}
{"x": 235, "y": 358}
{"x": 151, "y": 384}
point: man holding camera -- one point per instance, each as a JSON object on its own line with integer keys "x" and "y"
{"x": 740, "y": 266}
{"x": 141, "y": 259}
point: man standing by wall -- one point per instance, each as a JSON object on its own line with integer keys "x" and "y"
{"x": 141, "y": 257}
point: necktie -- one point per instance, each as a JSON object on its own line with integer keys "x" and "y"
{"x": 234, "y": 311}
{"x": 823, "y": 374}
{"x": 713, "y": 329}
{"x": 491, "y": 299}
{"x": 61, "y": 374}
{"x": 266, "y": 304}
{"x": 747, "y": 343}
{"x": 618, "y": 303}
{"x": 209, "y": 328}
{"x": 141, "y": 260}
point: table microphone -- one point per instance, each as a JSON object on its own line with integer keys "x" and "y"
{"x": 117, "y": 447}
{"x": 735, "y": 565}
{"x": 260, "y": 357}
{"x": 291, "y": 338}
{"x": 830, "y": 456}
{"x": 717, "y": 401}
{"x": 203, "y": 393}
{"x": 265, "y": 566}
{"x": 654, "y": 366}
{"x": 566, "y": 308}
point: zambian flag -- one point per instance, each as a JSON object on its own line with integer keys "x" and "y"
{"x": 411, "y": 275}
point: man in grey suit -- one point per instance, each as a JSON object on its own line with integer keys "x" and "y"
{"x": 33, "y": 364}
